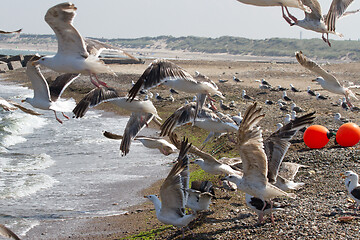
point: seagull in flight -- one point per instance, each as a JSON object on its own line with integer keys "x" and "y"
{"x": 75, "y": 54}
{"x": 323, "y": 24}
{"x": 327, "y": 81}
{"x": 48, "y": 97}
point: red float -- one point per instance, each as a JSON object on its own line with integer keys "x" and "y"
{"x": 316, "y": 136}
{"x": 348, "y": 135}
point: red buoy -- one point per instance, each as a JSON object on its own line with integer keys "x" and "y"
{"x": 348, "y": 134}
{"x": 316, "y": 136}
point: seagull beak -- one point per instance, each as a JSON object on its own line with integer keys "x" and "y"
{"x": 342, "y": 175}
{"x": 23, "y": 100}
{"x": 314, "y": 80}
{"x": 145, "y": 196}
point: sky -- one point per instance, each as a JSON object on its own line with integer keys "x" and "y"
{"x": 143, "y": 18}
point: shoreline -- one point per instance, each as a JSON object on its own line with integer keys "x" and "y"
{"x": 313, "y": 214}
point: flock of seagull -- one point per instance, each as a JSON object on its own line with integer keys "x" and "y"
{"x": 259, "y": 172}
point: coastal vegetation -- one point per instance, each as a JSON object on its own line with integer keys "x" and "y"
{"x": 341, "y": 49}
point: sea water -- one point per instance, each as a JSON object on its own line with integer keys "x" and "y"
{"x": 53, "y": 171}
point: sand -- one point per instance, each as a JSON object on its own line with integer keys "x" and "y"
{"x": 315, "y": 211}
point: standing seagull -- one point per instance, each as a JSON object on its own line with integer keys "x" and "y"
{"x": 75, "y": 54}
{"x": 282, "y": 3}
{"x": 294, "y": 89}
{"x": 48, "y": 97}
{"x": 340, "y": 120}
{"x": 171, "y": 209}
{"x": 326, "y": 80}
{"x": 320, "y": 97}
{"x": 285, "y": 97}
{"x": 323, "y": 24}
{"x": 310, "y": 92}
{"x": 245, "y": 96}
{"x": 352, "y": 186}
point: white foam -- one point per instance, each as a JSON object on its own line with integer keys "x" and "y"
{"x": 31, "y": 163}
{"x": 26, "y": 185}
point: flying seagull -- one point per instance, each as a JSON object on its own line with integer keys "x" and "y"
{"x": 6, "y": 32}
{"x": 170, "y": 209}
{"x": 323, "y": 24}
{"x": 48, "y": 97}
{"x": 327, "y": 81}
{"x": 105, "y": 94}
{"x": 75, "y": 54}
{"x": 282, "y": 3}
{"x": 164, "y": 72}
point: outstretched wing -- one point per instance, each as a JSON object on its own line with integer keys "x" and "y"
{"x": 336, "y": 10}
{"x": 58, "y": 86}
{"x": 250, "y": 146}
{"x": 156, "y": 73}
{"x": 60, "y": 18}
{"x": 277, "y": 144}
{"x": 93, "y": 98}
{"x": 314, "y": 67}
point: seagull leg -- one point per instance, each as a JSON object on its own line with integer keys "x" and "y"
{"x": 291, "y": 16}
{"x": 57, "y": 118}
{"x": 288, "y": 20}
{"x": 65, "y": 116}
{"x": 100, "y": 82}
{"x": 94, "y": 82}
{"x": 271, "y": 212}
{"x": 260, "y": 218}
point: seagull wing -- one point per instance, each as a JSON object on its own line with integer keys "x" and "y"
{"x": 181, "y": 116}
{"x": 5, "y": 32}
{"x": 93, "y": 98}
{"x": 314, "y": 67}
{"x": 60, "y": 19}
{"x": 24, "y": 109}
{"x": 95, "y": 47}
{"x": 58, "y": 86}
{"x": 315, "y": 7}
{"x": 171, "y": 192}
{"x": 136, "y": 123}
{"x": 6, "y": 105}
{"x": 156, "y": 73}
{"x": 38, "y": 82}
{"x": 277, "y": 144}
{"x": 336, "y": 10}
{"x": 250, "y": 145}
{"x": 6, "y": 232}
{"x": 288, "y": 170}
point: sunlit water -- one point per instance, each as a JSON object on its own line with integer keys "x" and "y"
{"x": 56, "y": 171}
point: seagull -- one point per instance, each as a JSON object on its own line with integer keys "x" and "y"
{"x": 255, "y": 163}
{"x": 9, "y": 105}
{"x": 278, "y": 126}
{"x": 164, "y": 72}
{"x": 48, "y": 97}
{"x": 206, "y": 119}
{"x": 352, "y": 185}
{"x": 264, "y": 82}
{"x": 293, "y": 88}
{"x": 198, "y": 201}
{"x": 344, "y": 104}
{"x": 164, "y": 146}
{"x": 296, "y": 108}
{"x": 285, "y": 97}
{"x": 236, "y": 79}
{"x": 245, "y": 96}
{"x": 282, "y": 3}
{"x": 224, "y": 106}
{"x": 173, "y": 91}
{"x": 293, "y": 115}
{"x": 75, "y": 54}
{"x": 158, "y": 97}
{"x": 323, "y": 24}
{"x": 257, "y": 205}
{"x": 105, "y": 94}
{"x": 262, "y": 86}
{"x": 223, "y": 80}
{"x": 326, "y": 80}
{"x": 269, "y": 102}
{"x": 283, "y": 107}
{"x": 171, "y": 209}
{"x": 320, "y": 97}
{"x": 237, "y": 118}
{"x": 310, "y": 92}
{"x": 6, "y": 232}
{"x": 280, "y": 88}
{"x": 261, "y": 161}
{"x": 340, "y": 120}
{"x": 11, "y": 32}
{"x": 232, "y": 104}
{"x": 287, "y": 119}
